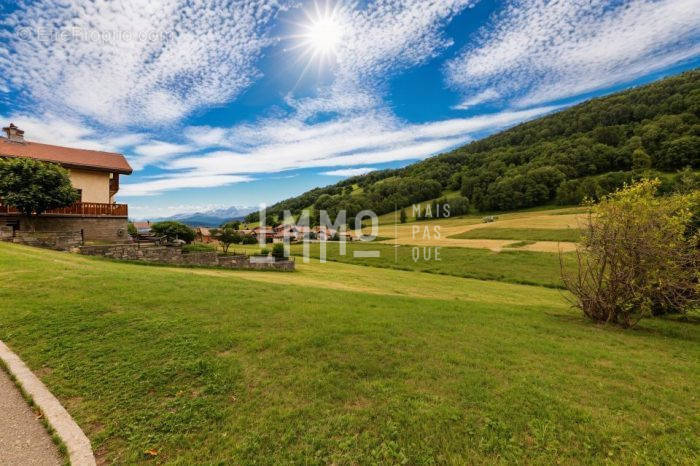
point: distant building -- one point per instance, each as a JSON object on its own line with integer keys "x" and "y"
{"x": 143, "y": 228}
{"x": 202, "y": 235}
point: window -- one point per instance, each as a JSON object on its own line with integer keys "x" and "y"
{"x": 80, "y": 195}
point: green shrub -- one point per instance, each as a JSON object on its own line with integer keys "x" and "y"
{"x": 249, "y": 239}
{"x": 278, "y": 251}
{"x": 173, "y": 231}
{"x": 131, "y": 228}
{"x": 637, "y": 257}
{"x": 264, "y": 252}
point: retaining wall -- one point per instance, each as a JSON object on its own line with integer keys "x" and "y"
{"x": 58, "y": 240}
{"x": 175, "y": 256}
{"x": 94, "y": 228}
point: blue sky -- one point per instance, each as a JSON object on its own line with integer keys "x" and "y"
{"x": 219, "y": 103}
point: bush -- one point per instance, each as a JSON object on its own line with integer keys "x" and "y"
{"x": 264, "y": 252}
{"x": 278, "y": 251}
{"x": 173, "y": 231}
{"x": 637, "y": 257}
{"x": 249, "y": 239}
{"x": 198, "y": 247}
{"x": 131, "y": 228}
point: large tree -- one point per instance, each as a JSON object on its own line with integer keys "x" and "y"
{"x": 33, "y": 187}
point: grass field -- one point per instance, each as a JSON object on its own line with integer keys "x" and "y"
{"x": 534, "y": 268}
{"x": 345, "y": 364}
{"x": 527, "y": 234}
{"x": 537, "y": 225}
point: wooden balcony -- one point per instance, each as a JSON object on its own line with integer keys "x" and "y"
{"x": 79, "y": 209}
{"x": 114, "y": 184}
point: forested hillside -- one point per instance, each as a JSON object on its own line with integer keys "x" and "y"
{"x": 584, "y": 151}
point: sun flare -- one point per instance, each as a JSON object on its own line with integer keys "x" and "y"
{"x": 324, "y": 34}
{"x": 320, "y": 36}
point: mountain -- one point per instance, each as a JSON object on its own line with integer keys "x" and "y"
{"x": 210, "y": 218}
{"x": 586, "y": 150}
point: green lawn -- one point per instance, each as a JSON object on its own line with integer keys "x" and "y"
{"x": 531, "y": 268}
{"x": 528, "y": 234}
{"x": 207, "y": 367}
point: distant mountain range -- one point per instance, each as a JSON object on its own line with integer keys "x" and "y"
{"x": 210, "y": 218}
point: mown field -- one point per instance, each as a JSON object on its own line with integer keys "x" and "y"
{"x": 345, "y": 364}
{"x": 523, "y": 234}
{"x": 525, "y": 267}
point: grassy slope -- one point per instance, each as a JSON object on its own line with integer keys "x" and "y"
{"x": 530, "y": 234}
{"x": 533, "y": 268}
{"x": 204, "y": 366}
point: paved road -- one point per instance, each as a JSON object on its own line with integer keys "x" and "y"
{"x": 23, "y": 440}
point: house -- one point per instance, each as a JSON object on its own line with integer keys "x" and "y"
{"x": 202, "y": 235}
{"x": 292, "y": 232}
{"x": 95, "y": 174}
{"x": 268, "y": 232}
{"x": 143, "y": 228}
{"x": 324, "y": 233}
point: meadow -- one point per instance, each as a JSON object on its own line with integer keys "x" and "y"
{"x": 525, "y": 267}
{"x": 344, "y": 363}
{"x": 526, "y": 234}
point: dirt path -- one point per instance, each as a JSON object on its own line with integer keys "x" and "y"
{"x": 23, "y": 440}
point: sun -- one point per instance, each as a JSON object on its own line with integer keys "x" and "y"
{"x": 321, "y": 34}
{"x": 324, "y": 35}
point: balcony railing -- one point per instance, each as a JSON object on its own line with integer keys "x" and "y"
{"x": 87, "y": 209}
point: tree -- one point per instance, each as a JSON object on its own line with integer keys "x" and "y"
{"x": 402, "y": 216}
{"x": 33, "y": 187}
{"x": 640, "y": 159}
{"x": 227, "y": 237}
{"x": 236, "y": 225}
{"x": 174, "y": 231}
{"x": 636, "y": 258}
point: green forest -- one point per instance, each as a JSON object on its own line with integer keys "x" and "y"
{"x": 585, "y": 151}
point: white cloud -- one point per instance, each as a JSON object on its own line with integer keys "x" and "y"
{"x": 156, "y": 152}
{"x": 174, "y": 182}
{"x": 133, "y": 63}
{"x": 276, "y": 145}
{"x": 487, "y": 95}
{"x": 346, "y": 172}
{"x": 537, "y": 51}
{"x": 50, "y": 129}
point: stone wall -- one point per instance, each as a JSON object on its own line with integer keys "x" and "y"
{"x": 59, "y": 240}
{"x": 94, "y": 228}
{"x": 174, "y": 255}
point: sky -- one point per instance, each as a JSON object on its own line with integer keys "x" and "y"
{"x": 219, "y": 103}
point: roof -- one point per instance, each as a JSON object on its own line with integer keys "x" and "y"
{"x": 142, "y": 225}
{"x": 203, "y": 231}
{"x": 67, "y": 156}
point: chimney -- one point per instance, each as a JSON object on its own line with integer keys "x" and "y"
{"x": 14, "y": 133}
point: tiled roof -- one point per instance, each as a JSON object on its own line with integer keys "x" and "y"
{"x": 92, "y": 159}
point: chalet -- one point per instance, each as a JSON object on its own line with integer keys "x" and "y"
{"x": 268, "y": 232}
{"x": 94, "y": 174}
{"x": 143, "y": 228}
{"x": 292, "y": 232}
{"x": 202, "y": 235}
{"x": 324, "y": 233}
